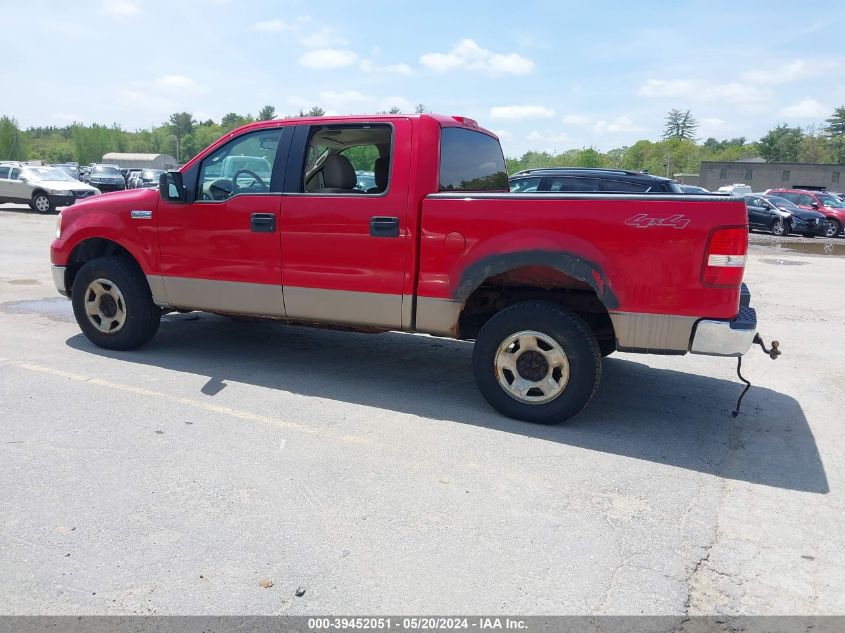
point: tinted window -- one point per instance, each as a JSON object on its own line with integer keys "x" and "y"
{"x": 631, "y": 187}
{"x": 525, "y": 185}
{"x": 571, "y": 183}
{"x": 4, "y": 172}
{"x": 471, "y": 161}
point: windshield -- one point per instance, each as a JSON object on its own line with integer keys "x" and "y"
{"x": 105, "y": 169}
{"x": 46, "y": 173}
{"x": 831, "y": 202}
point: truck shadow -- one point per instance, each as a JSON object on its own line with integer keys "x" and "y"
{"x": 659, "y": 415}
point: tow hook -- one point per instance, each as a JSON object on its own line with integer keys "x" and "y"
{"x": 773, "y": 353}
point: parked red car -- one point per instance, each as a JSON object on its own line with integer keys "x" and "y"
{"x": 272, "y": 221}
{"x": 826, "y": 203}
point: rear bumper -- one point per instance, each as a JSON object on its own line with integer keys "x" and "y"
{"x": 725, "y": 338}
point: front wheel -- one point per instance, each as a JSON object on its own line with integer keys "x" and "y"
{"x": 41, "y": 202}
{"x": 832, "y": 229}
{"x": 780, "y": 227}
{"x": 113, "y": 305}
{"x": 537, "y": 362}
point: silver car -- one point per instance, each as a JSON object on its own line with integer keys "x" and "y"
{"x": 42, "y": 188}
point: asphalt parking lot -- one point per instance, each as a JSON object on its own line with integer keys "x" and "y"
{"x": 230, "y": 463}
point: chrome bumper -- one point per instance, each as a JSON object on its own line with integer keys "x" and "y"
{"x": 725, "y": 338}
{"x": 59, "y": 279}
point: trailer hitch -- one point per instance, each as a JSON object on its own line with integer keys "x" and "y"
{"x": 773, "y": 353}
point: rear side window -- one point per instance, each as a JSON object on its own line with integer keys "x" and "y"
{"x": 571, "y": 184}
{"x": 525, "y": 185}
{"x": 631, "y": 187}
{"x": 4, "y": 172}
{"x": 471, "y": 161}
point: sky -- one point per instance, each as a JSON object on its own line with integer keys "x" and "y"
{"x": 543, "y": 75}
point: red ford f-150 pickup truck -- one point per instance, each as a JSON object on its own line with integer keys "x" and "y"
{"x": 278, "y": 219}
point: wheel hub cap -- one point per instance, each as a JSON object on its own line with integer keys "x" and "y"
{"x": 531, "y": 367}
{"x": 105, "y": 306}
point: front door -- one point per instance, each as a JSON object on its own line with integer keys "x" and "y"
{"x": 222, "y": 252}
{"x": 344, "y": 224}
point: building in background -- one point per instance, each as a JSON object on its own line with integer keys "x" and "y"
{"x": 760, "y": 175}
{"x": 143, "y": 161}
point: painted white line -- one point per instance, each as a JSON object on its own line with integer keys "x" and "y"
{"x": 190, "y": 402}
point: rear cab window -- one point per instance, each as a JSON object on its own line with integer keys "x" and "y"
{"x": 471, "y": 161}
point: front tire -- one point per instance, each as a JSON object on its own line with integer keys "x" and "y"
{"x": 833, "y": 228}
{"x": 41, "y": 202}
{"x": 780, "y": 227}
{"x": 113, "y": 305}
{"x": 537, "y": 362}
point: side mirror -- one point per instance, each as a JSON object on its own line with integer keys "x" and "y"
{"x": 815, "y": 205}
{"x": 22, "y": 178}
{"x": 171, "y": 188}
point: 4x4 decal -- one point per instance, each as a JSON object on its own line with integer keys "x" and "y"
{"x": 644, "y": 221}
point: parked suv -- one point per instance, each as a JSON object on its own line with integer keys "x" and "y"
{"x": 782, "y": 217}
{"x": 586, "y": 180}
{"x": 829, "y": 205}
{"x": 106, "y": 178}
{"x": 41, "y": 187}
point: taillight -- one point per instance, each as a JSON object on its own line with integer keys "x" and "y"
{"x": 724, "y": 258}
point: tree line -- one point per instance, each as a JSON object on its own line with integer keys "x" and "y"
{"x": 678, "y": 150}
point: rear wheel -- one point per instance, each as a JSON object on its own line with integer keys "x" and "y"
{"x": 113, "y": 305}
{"x": 41, "y": 202}
{"x": 537, "y": 362}
{"x": 833, "y": 228}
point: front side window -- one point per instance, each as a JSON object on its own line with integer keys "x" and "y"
{"x": 348, "y": 159}
{"x": 525, "y": 185}
{"x": 242, "y": 166}
{"x": 576, "y": 184}
{"x": 805, "y": 200}
{"x": 471, "y": 161}
{"x": 831, "y": 202}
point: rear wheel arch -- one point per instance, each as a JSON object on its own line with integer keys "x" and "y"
{"x": 538, "y": 283}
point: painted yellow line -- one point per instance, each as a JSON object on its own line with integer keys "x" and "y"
{"x": 190, "y": 402}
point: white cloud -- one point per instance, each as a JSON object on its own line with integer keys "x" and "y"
{"x": 503, "y": 134}
{"x": 617, "y": 125}
{"x": 806, "y": 109}
{"x": 793, "y": 71}
{"x": 548, "y": 141}
{"x": 324, "y": 38}
{"x": 401, "y": 69}
{"x": 520, "y": 112}
{"x": 711, "y": 126}
{"x": 271, "y": 26}
{"x": 120, "y": 8}
{"x": 328, "y": 58}
{"x": 67, "y": 117}
{"x": 468, "y": 55}
{"x": 181, "y": 84}
{"x": 701, "y": 90}
{"x": 575, "y": 119}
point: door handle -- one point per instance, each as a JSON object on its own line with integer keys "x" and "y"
{"x": 262, "y": 222}
{"x": 381, "y": 226}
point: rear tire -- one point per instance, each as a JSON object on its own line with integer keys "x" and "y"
{"x": 537, "y": 362}
{"x": 41, "y": 202}
{"x": 113, "y": 305}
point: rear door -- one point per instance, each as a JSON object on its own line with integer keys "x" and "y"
{"x": 344, "y": 249}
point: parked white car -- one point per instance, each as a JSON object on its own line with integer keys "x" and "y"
{"x": 41, "y": 187}
{"x": 736, "y": 189}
